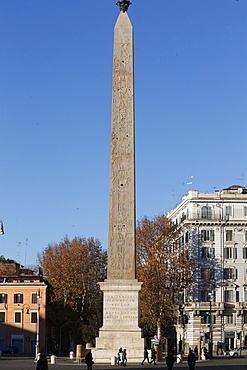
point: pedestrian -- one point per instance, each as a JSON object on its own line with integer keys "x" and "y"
{"x": 153, "y": 356}
{"x": 191, "y": 360}
{"x": 145, "y": 357}
{"x": 124, "y": 353}
{"x": 42, "y": 363}
{"x": 119, "y": 355}
{"x": 89, "y": 360}
{"x": 170, "y": 361}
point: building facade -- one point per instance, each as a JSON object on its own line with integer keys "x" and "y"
{"x": 213, "y": 312}
{"x": 22, "y": 309}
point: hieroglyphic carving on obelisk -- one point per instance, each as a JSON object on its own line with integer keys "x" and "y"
{"x": 121, "y": 236}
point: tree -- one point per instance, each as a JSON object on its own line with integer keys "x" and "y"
{"x": 73, "y": 270}
{"x": 4, "y": 260}
{"x": 165, "y": 268}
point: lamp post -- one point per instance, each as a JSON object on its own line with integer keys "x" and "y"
{"x": 199, "y": 344}
{"x": 241, "y": 334}
{"x": 1, "y": 228}
{"x": 37, "y": 349}
{"x": 210, "y": 326}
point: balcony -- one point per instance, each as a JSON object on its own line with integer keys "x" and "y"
{"x": 196, "y": 217}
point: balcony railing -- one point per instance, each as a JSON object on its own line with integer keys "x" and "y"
{"x": 202, "y": 217}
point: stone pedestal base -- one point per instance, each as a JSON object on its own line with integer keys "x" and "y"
{"x": 120, "y": 322}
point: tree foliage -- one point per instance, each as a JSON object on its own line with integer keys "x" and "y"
{"x": 73, "y": 269}
{"x": 165, "y": 268}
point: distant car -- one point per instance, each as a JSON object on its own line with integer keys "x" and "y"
{"x": 238, "y": 352}
{"x": 10, "y": 349}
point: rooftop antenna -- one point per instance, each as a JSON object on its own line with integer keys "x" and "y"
{"x": 190, "y": 181}
{"x": 242, "y": 178}
{"x": 25, "y": 260}
{"x": 19, "y": 252}
{"x": 172, "y": 198}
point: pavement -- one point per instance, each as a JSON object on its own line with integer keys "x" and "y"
{"x": 16, "y": 362}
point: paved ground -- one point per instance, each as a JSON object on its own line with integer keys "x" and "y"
{"x": 18, "y": 363}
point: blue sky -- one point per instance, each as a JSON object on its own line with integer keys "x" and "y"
{"x": 55, "y": 111}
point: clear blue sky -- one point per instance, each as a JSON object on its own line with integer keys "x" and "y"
{"x": 55, "y": 111}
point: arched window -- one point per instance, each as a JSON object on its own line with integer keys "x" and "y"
{"x": 206, "y": 212}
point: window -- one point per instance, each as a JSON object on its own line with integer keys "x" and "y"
{"x": 205, "y": 273}
{"x": 229, "y": 319}
{"x": 230, "y": 253}
{"x": 245, "y": 235}
{"x": 245, "y": 210}
{"x": 181, "y": 241}
{"x": 245, "y": 252}
{"x": 3, "y": 298}
{"x": 230, "y": 273}
{"x": 34, "y": 318}
{"x": 245, "y": 317}
{"x": 18, "y": 298}
{"x": 228, "y": 210}
{"x": 245, "y": 296}
{"x": 34, "y": 298}
{"x": 183, "y": 217}
{"x": 207, "y": 235}
{"x": 206, "y": 212}
{"x": 228, "y": 295}
{"x": 207, "y": 252}
{"x": 204, "y": 295}
{"x": 2, "y": 317}
{"x": 237, "y": 295}
{"x": 229, "y": 235}
{"x": 206, "y": 319}
{"x": 18, "y": 317}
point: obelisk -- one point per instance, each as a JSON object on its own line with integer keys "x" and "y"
{"x": 121, "y": 289}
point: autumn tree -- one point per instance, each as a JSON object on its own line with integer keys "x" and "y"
{"x": 73, "y": 269}
{"x": 165, "y": 268}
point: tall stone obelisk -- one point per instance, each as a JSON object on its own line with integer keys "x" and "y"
{"x": 121, "y": 289}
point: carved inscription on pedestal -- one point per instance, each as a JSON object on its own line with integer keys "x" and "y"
{"x": 121, "y": 237}
{"x": 120, "y": 309}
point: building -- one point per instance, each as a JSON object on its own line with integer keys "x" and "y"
{"x": 22, "y": 308}
{"x": 214, "y": 312}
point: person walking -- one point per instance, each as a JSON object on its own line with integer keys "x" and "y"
{"x": 153, "y": 356}
{"x": 119, "y": 356}
{"x": 145, "y": 357}
{"x": 42, "y": 363}
{"x": 191, "y": 360}
{"x": 124, "y": 357}
{"x": 89, "y": 360}
{"x": 170, "y": 361}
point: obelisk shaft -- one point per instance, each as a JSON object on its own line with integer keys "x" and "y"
{"x": 121, "y": 290}
{"x": 121, "y": 236}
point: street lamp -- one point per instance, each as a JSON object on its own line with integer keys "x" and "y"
{"x": 210, "y": 325}
{"x": 37, "y": 350}
{"x": 1, "y": 228}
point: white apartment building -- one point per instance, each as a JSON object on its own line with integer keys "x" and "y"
{"x": 214, "y": 312}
